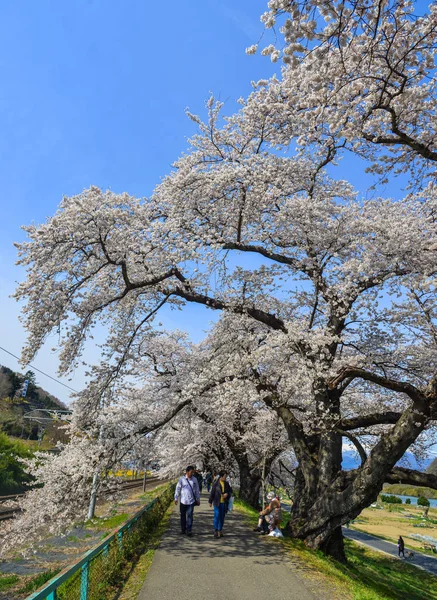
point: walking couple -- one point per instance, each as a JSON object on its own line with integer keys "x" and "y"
{"x": 187, "y": 490}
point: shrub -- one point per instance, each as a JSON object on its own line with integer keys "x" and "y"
{"x": 408, "y": 501}
{"x": 422, "y": 501}
{"x": 13, "y": 477}
{"x": 390, "y": 499}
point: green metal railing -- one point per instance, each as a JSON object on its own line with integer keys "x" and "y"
{"x": 97, "y": 572}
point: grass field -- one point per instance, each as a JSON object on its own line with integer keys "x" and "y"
{"x": 397, "y": 519}
{"x": 367, "y": 576}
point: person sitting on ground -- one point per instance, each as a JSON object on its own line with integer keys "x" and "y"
{"x": 271, "y": 516}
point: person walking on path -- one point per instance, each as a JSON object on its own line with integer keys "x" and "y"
{"x": 198, "y": 476}
{"x": 187, "y": 489}
{"x": 208, "y": 481}
{"x": 220, "y": 494}
{"x": 401, "y": 547}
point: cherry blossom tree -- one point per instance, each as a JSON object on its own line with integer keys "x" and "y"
{"x": 357, "y": 75}
{"x": 340, "y": 293}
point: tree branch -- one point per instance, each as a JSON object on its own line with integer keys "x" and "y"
{"x": 386, "y": 418}
{"x": 385, "y": 382}
{"x": 259, "y": 315}
{"x": 355, "y": 441}
{"x": 411, "y": 477}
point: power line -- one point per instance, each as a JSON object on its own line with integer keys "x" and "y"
{"x": 39, "y": 371}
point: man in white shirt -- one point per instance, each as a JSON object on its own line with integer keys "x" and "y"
{"x": 187, "y": 489}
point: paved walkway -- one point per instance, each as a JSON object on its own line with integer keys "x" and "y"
{"x": 422, "y": 560}
{"x": 238, "y": 566}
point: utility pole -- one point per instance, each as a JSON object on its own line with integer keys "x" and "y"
{"x": 94, "y": 486}
{"x": 93, "y": 498}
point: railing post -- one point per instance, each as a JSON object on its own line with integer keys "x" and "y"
{"x": 84, "y": 582}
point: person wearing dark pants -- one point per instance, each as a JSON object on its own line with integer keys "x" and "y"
{"x": 187, "y": 489}
{"x": 401, "y": 547}
{"x": 187, "y": 511}
{"x": 219, "y": 497}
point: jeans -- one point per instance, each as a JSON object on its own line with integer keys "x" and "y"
{"x": 187, "y": 511}
{"x": 219, "y": 516}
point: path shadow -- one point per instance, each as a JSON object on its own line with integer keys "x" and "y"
{"x": 238, "y": 541}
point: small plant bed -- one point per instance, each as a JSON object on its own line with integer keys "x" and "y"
{"x": 368, "y": 575}
{"x": 13, "y": 587}
{"x": 7, "y": 581}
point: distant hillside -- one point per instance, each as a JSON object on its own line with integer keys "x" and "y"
{"x": 11, "y": 384}
{"x": 14, "y": 404}
{"x": 410, "y": 490}
{"x": 433, "y": 467}
{"x": 352, "y": 461}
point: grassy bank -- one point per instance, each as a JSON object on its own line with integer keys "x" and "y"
{"x": 138, "y": 575}
{"x": 367, "y": 576}
{"x": 409, "y": 490}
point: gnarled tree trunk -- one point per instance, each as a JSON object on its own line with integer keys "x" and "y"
{"x": 326, "y": 497}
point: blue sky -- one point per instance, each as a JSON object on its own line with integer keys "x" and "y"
{"x": 94, "y": 92}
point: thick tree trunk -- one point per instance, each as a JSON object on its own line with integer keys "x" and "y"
{"x": 327, "y": 497}
{"x": 250, "y": 484}
{"x": 334, "y": 545}
{"x": 324, "y": 532}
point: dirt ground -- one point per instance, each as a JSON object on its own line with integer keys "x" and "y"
{"x": 390, "y": 523}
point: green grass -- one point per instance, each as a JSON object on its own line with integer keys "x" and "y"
{"x": 8, "y": 581}
{"x": 149, "y": 496}
{"x": 368, "y": 575}
{"x": 106, "y": 523}
{"x": 136, "y": 579}
{"x": 36, "y": 582}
